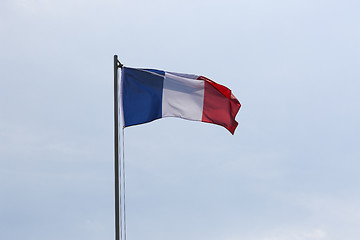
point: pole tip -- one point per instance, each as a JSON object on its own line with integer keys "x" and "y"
{"x": 118, "y": 63}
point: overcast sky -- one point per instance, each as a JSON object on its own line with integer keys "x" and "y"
{"x": 290, "y": 172}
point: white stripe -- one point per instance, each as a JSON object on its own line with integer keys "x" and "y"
{"x": 184, "y": 75}
{"x": 182, "y": 97}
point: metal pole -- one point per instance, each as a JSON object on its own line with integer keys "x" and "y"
{"x": 116, "y": 146}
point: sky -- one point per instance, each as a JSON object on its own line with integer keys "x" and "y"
{"x": 290, "y": 172}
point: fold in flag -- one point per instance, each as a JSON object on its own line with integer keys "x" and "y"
{"x": 149, "y": 94}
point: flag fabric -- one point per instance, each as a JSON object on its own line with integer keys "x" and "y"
{"x": 149, "y": 94}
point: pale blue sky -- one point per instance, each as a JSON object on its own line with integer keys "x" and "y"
{"x": 290, "y": 172}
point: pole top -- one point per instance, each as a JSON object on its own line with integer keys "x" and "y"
{"x": 118, "y": 63}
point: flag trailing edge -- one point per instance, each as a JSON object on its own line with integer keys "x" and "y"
{"x": 150, "y": 94}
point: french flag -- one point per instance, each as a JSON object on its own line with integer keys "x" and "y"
{"x": 149, "y": 94}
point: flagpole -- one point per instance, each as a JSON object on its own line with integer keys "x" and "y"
{"x": 116, "y": 147}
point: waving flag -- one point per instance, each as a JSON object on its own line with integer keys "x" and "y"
{"x": 149, "y": 94}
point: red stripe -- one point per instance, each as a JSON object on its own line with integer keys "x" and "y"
{"x": 220, "y": 105}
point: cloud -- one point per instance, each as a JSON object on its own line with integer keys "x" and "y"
{"x": 286, "y": 234}
{"x": 315, "y": 234}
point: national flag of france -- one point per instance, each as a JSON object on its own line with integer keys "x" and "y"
{"x": 149, "y": 94}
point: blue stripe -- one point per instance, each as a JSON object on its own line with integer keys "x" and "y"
{"x": 142, "y": 92}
